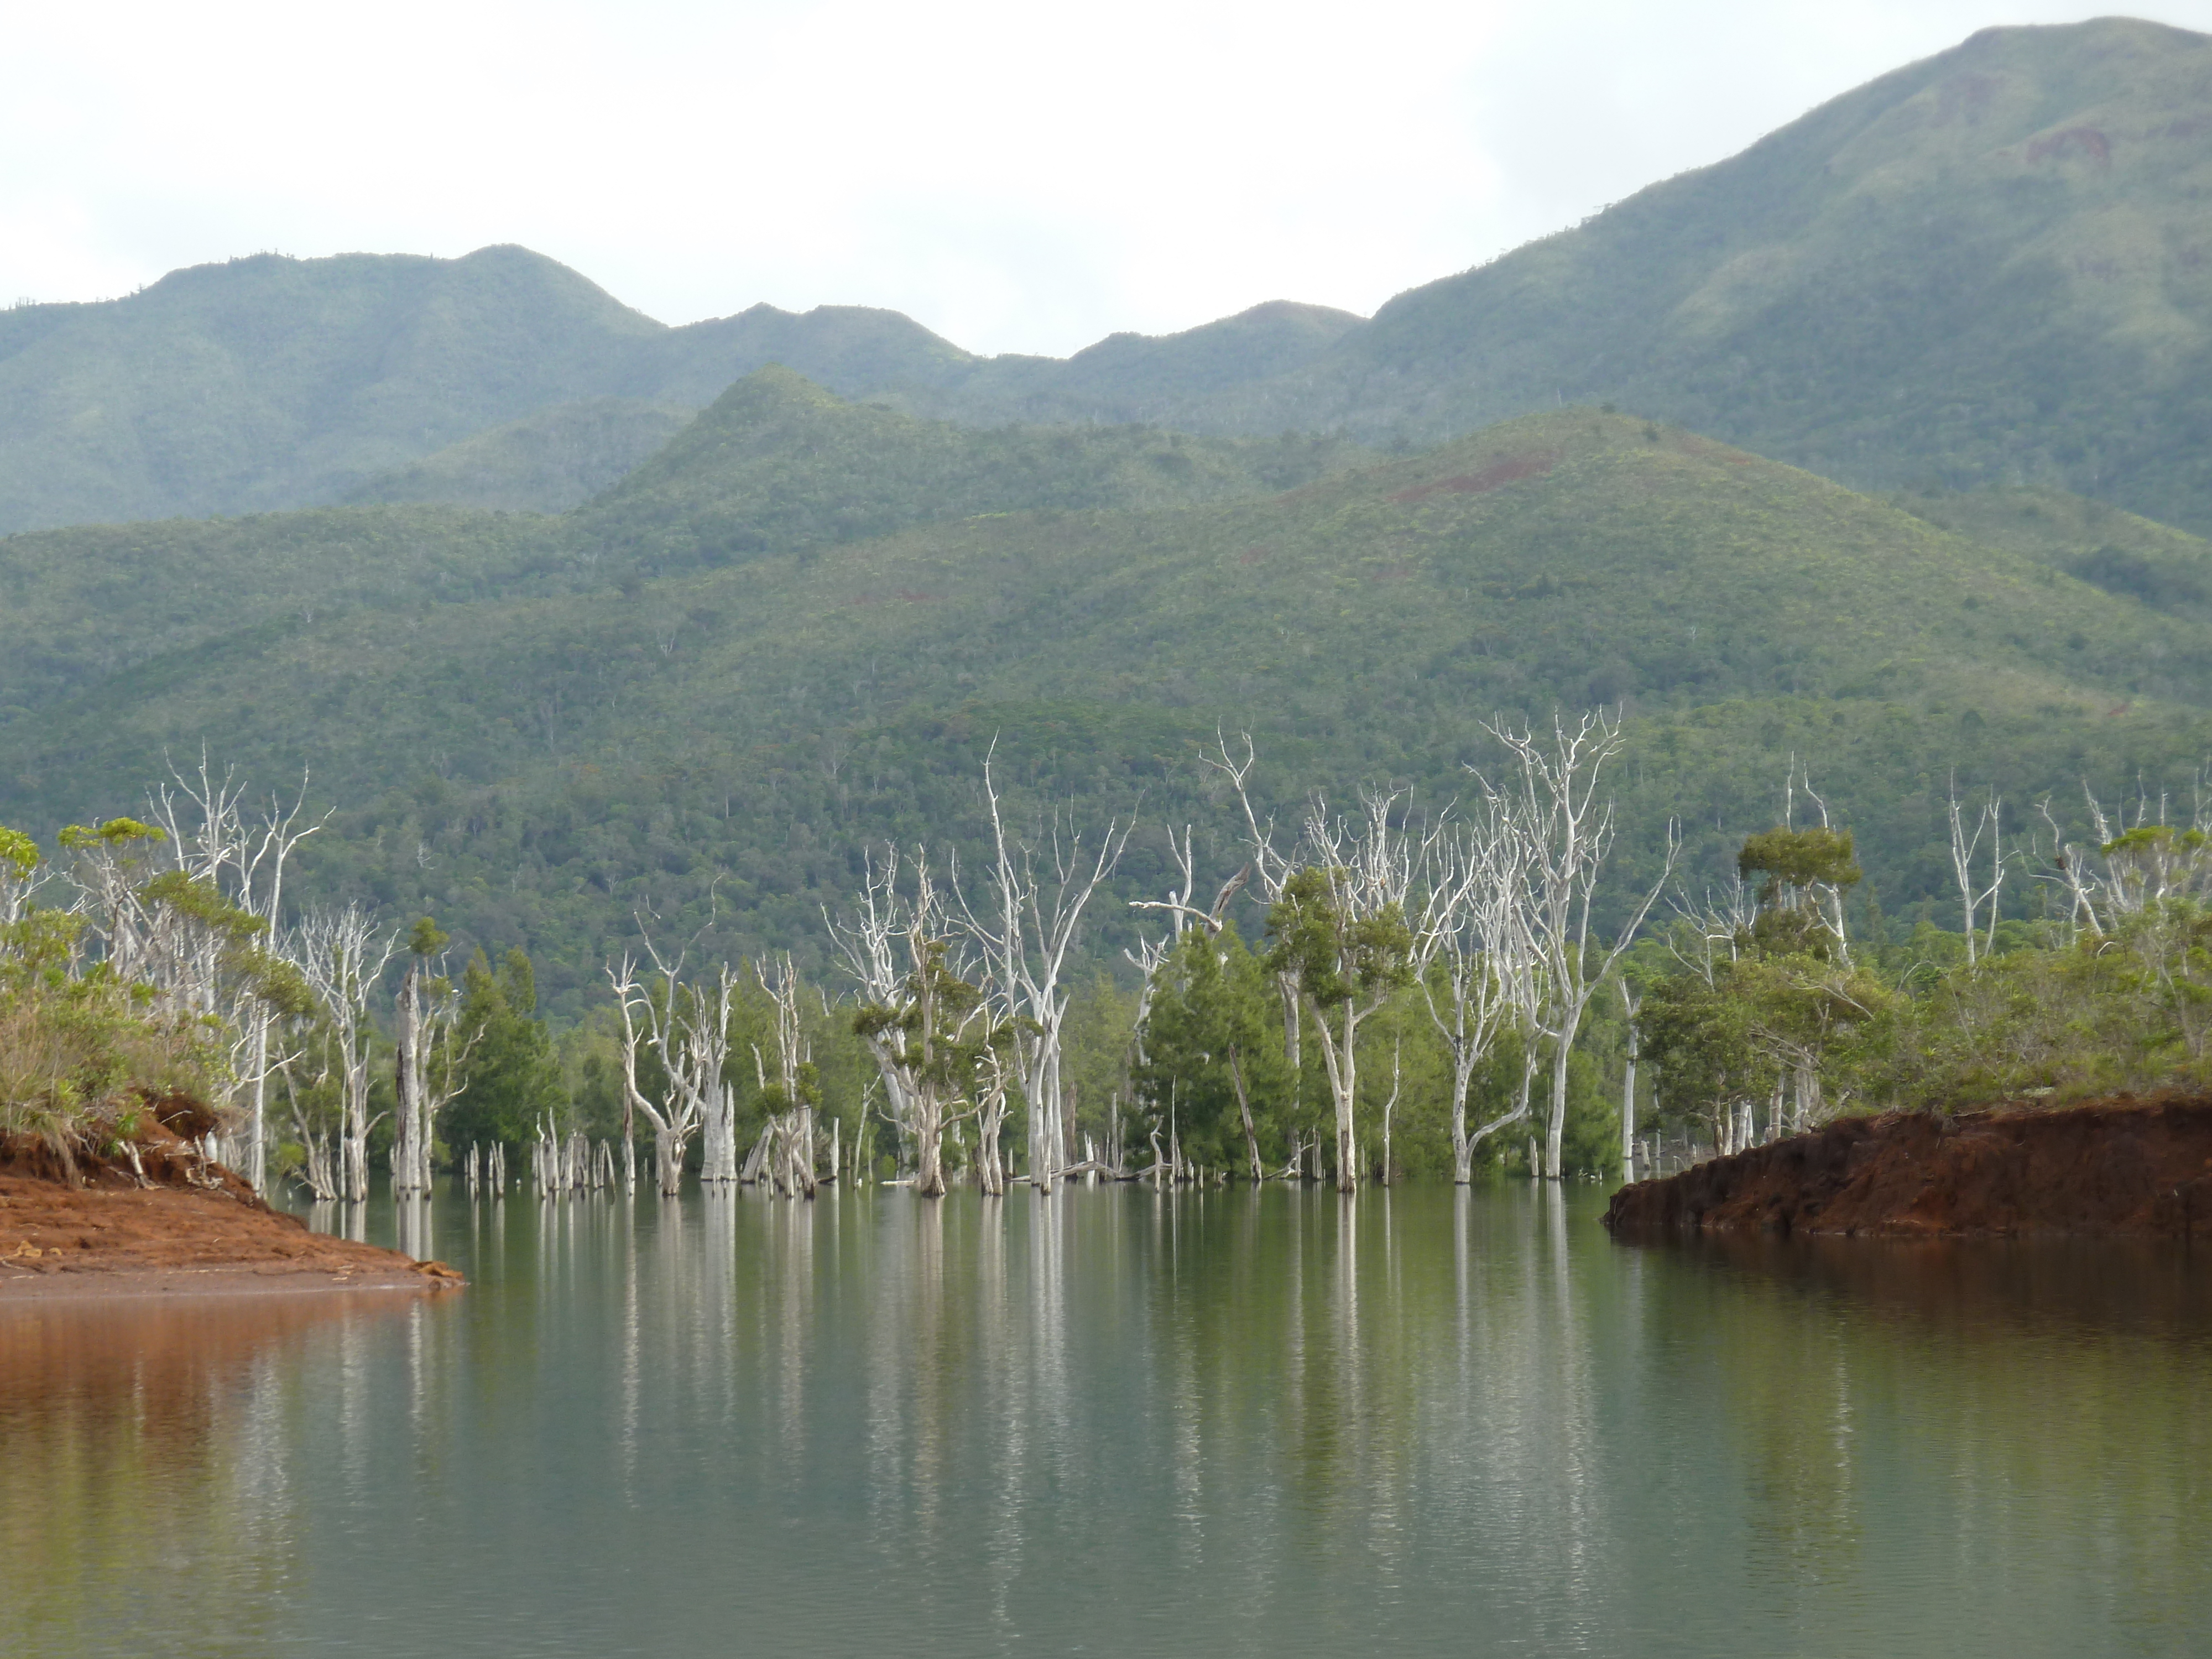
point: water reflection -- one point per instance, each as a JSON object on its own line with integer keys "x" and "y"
{"x": 146, "y": 1477}
{"x": 1135, "y": 1422}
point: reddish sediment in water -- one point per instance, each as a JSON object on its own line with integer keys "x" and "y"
{"x": 167, "y": 1221}
{"x": 2126, "y": 1167}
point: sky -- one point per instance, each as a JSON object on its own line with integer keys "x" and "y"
{"x": 1019, "y": 177}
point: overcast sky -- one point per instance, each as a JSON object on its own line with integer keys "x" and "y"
{"x": 1019, "y": 177}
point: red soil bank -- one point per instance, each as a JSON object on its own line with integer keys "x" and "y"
{"x": 174, "y": 1223}
{"x": 2115, "y": 1167}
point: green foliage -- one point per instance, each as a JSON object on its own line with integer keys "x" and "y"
{"x": 18, "y": 852}
{"x": 1336, "y": 955}
{"x": 1213, "y": 1048}
{"x": 78, "y": 1046}
{"x": 1799, "y": 859}
{"x": 426, "y": 939}
{"x": 511, "y": 1074}
{"x": 546, "y": 462}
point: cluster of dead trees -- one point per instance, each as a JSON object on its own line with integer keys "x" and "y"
{"x": 963, "y": 999}
{"x": 683, "y": 1024}
{"x": 1485, "y": 913}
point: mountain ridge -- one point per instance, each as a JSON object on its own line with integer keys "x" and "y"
{"x": 1993, "y": 265}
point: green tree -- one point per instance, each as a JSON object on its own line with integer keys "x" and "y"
{"x": 511, "y": 1079}
{"x": 1346, "y": 943}
{"x": 1213, "y": 1050}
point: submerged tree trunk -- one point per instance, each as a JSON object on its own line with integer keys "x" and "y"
{"x": 1463, "y": 1061}
{"x": 1555, "y": 1126}
{"x": 410, "y": 1159}
{"x": 1339, "y": 1056}
{"x": 929, "y": 1144}
{"x": 1245, "y": 1112}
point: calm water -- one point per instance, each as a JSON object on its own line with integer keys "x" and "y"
{"x": 1118, "y": 1423}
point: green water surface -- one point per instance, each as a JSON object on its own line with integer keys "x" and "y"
{"x": 1116, "y": 1422}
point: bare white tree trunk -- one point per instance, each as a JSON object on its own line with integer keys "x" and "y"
{"x": 1973, "y": 896}
{"x": 1025, "y": 935}
{"x": 341, "y": 957}
{"x": 1566, "y": 836}
{"x": 780, "y": 981}
{"x": 688, "y": 1028}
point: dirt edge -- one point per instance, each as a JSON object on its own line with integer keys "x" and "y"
{"x": 2138, "y": 1167}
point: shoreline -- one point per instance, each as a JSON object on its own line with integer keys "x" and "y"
{"x": 168, "y": 1284}
{"x": 2119, "y": 1168}
{"x": 175, "y": 1226}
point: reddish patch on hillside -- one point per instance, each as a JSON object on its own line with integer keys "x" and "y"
{"x": 1252, "y": 555}
{"x": 2124, "y": 1166}
{"x": 1534, "y": 463}
{"x": 2087, "y": 140}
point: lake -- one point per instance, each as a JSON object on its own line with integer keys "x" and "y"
{"x": 1116, "y": 1422}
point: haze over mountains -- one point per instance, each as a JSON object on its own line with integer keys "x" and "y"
{"x": 1995, "y": 266}
{"x": 806, "y": 568}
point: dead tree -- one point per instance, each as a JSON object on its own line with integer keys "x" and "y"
{"x": 917, "y": 1007}
{"x": 687, "y": 1026}
{"x": 1270, "y": 870}
{"x": 1483, "y": 966}
{"x": 1345, "y": 929}
{"x": 1973, "y": 895}
{"x": 342, "y": 957}
{"x": 791, "y": 1104}
{"x": 1629, "y": 1005}
{"x": 213, "y": 841}
{"x": 1025, "y": 933}
{"x": 429, "y": 1054}
{"x": 1550, "y": 798}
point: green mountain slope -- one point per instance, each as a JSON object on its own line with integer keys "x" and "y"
{"x": 274, "y": 382}
{"x": 2138, "y": 558}
{"x": 1990, "y": 265}
{"x": 780, "y": 464}
{"x": 568, "y": 746}
{"x": 777, "y": 465}
{"x": 547, "y": 462}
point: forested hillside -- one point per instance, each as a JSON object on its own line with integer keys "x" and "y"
{"x": 1991, "y": 266}
{"x": 532, "y": 734}
{"x": 778, "y": 463}
{"x": 547, "y": 462}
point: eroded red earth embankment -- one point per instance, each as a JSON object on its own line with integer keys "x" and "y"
{"x": 2124, "y": 1166}
{"x": 170, "y": 1223}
